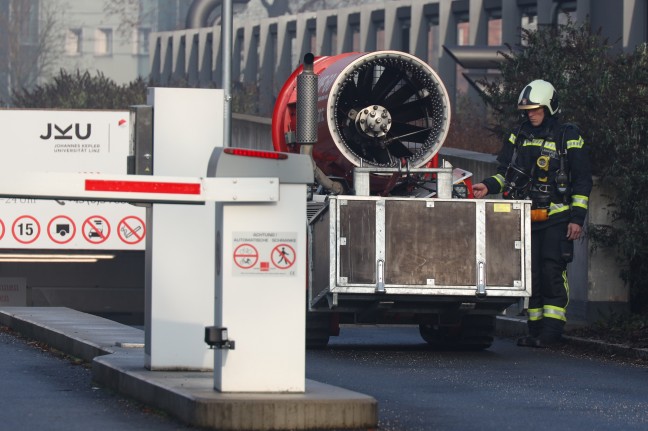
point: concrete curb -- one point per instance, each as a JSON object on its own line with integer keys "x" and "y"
{"x": 187, "y": 395}
{"x": 75, "y": 333}
{"x": 516, "y": 326}
{"x": 506, "y": 326}
{"x": 190, "y": 397}
{"x": 609, "y": 349}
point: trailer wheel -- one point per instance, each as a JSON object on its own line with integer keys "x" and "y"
{"x": 477, "y": 331}
{"x": 318, "y": 330}
{"x": 473, "y": 332}
{"x": 436, "y": 336}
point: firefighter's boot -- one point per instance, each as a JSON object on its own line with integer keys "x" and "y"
{"x": 551, "y": 334}
{"x": 531, "y": 340}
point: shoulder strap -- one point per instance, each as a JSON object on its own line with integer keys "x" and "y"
{"x": 563, "y": 131}
{"x": 518, "y": 138}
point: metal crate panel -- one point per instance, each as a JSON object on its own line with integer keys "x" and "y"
{"x": 319, "y": 234}
{"x": 357, "y": 241}
{"x": 427, "y": 241}
{"x": 503, "y": 229}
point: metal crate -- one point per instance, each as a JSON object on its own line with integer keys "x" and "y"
{"x": 406, "y": 246}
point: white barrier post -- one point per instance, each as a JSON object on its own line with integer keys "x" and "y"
{"x": 187, "y": 125}
{"x": 261, "y": 286}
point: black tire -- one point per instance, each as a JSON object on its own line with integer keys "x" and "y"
{"x": 473, "y": 332}
{"x": 318, "y": 330}
{"x": 477, "y": 331}
{"x": 435, "y": 335}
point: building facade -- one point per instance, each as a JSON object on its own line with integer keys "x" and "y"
{"x": 267, "y": 50}
{"x": 38, "y": 38}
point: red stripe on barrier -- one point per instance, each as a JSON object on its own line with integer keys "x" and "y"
{"x": 142, "y": 187}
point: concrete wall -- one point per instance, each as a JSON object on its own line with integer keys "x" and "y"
{"x": 111, "y": 288}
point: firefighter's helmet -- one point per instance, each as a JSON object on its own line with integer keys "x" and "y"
{"x": 539, "y": 93}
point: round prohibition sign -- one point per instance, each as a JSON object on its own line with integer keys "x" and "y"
{"x": 63, "y": 230}
{"x": 246, "y": 256}
{"x": 25, "y": 229}
{"x": 131, "y": 230}
{"x": 283, "y": 256}
{"x": 2, "y": 229}
{"x": 96, "y": 229}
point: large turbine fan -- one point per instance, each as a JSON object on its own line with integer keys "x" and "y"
{"x": 390, "y": 108}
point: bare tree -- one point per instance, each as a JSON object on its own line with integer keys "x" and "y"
{"x": 276, "y": 7}
{"x": 29, "y": 45}
{"x": 127, "y": 12}
{"x": 164, "y": 14}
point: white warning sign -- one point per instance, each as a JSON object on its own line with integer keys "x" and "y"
{"x": 72, "y": 142}
{"x": 61, "y": 229}
{"x": 25, "y": 229}
{"x": 265, "y": 253}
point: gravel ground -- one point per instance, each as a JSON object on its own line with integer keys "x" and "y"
{"x": 628, "y": 330}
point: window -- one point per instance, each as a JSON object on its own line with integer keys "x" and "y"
{"x": 333, "y": 39}
{"x": 380, "y": 36}
{"x": 495, "y": 31}
{"x": 73, "y": 41}
{"x": 433, "y": 42}
{"x": 463, "y": 28}
{"x": 529, "y": 22}
{"x": 463, "y": 31}
{"x": 294, "y": 50}
{"x": 103, "y": 41}
{"x": 141, "y": 41}
{"x": 405, "y": 25}
{"x": 355, "y": 37}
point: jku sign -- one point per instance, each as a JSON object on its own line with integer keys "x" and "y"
{"x": 63, "y": 132}
{"x": 94, "y": 142}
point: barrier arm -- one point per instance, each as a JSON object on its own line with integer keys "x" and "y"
{"x": 137, "y": 188}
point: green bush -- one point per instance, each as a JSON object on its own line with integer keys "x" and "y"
{"x": 605, "y": 92}
{"x": 82, "y": 91}
{"x": 469, "y": 128}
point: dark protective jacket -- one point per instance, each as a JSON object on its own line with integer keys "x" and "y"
{"x": 528, "y": 144}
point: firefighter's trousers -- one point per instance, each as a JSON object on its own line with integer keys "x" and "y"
{"x": 549, "y": 286}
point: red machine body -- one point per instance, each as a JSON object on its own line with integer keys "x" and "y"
{"x": 379, "y": 109}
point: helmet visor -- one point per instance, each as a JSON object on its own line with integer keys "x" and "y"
{"x": 529, "y": 106}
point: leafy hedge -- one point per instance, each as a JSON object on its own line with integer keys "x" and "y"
{"x": 81, "y": 90}
{"x": 605, "y": 92}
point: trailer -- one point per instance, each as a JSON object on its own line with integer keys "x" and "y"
{"x": 394, "y": 236}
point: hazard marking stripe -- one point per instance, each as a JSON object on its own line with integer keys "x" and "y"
{"x": 142, "y": 187}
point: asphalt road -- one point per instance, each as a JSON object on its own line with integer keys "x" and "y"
{"x": 43, "y": 391}
{"x": 503, "y": 388}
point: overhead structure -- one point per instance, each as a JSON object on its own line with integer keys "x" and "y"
{"x": 200, "y": 11}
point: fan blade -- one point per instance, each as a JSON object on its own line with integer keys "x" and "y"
{"x": 379, "y": 155}
{"x": 398, "y": 149}
{"x": 365, "y": 81}
{"x": 386, "y": 83}
{"x": 350, "y": 94}
{"x": 411, "y": 111}
{"x": 398, "y": 97}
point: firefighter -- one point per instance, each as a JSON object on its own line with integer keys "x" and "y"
{"x": 546, "y": 161}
